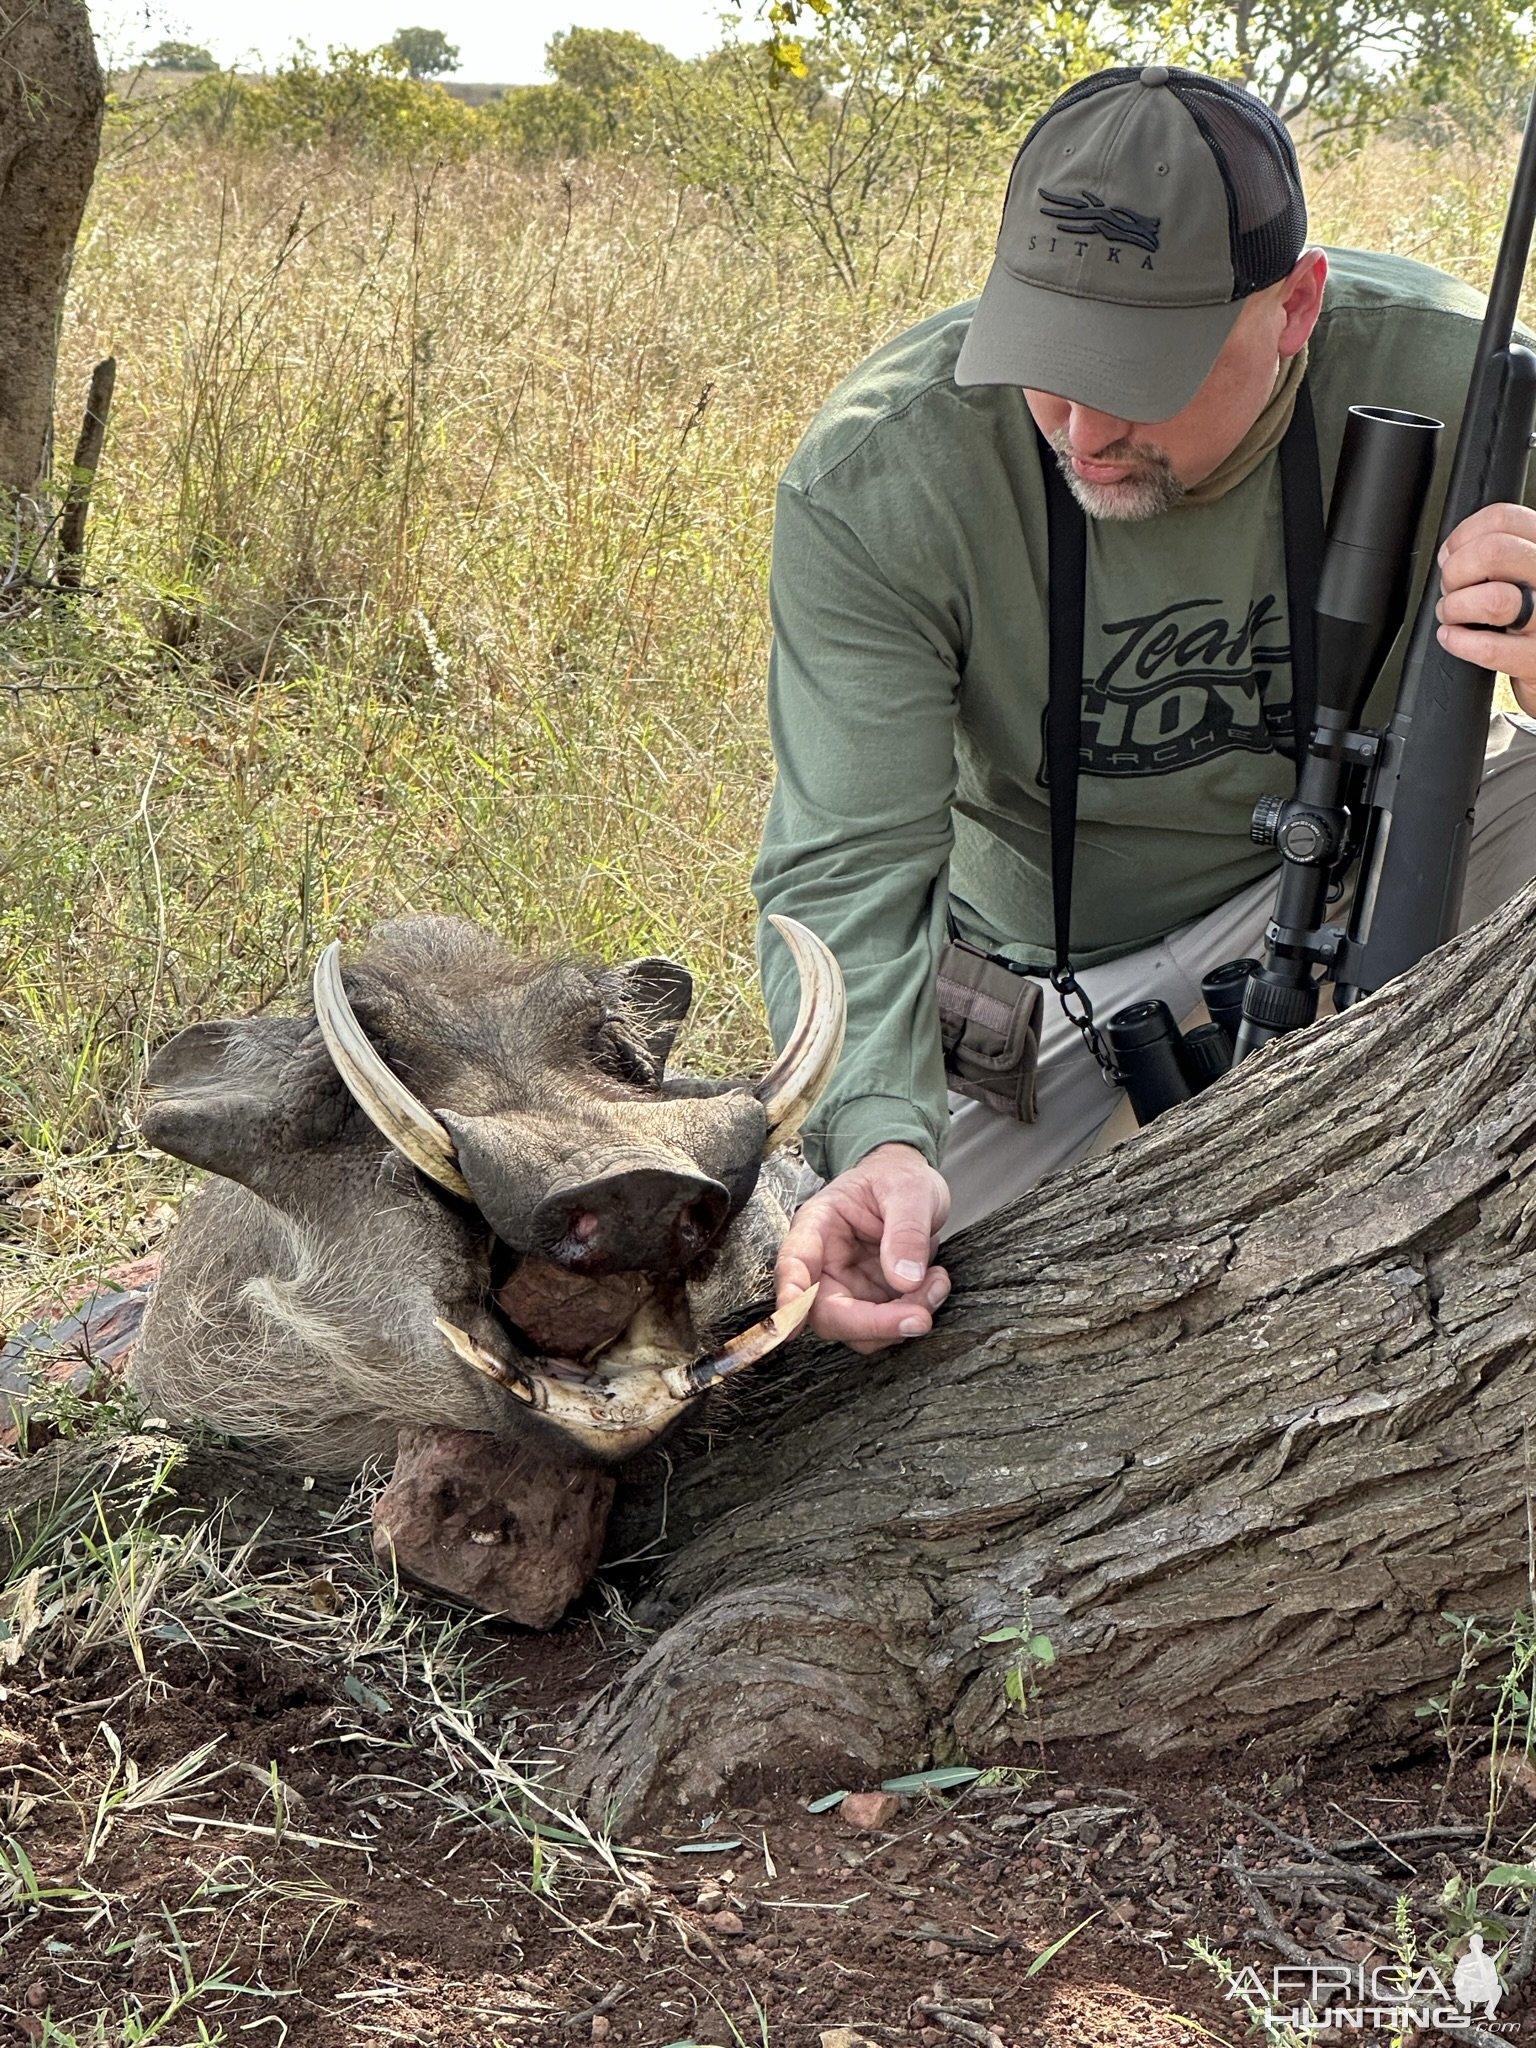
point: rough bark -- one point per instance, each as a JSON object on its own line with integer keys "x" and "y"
{"x": 51, "y": 103}
{"x": 1230, "y": 1414}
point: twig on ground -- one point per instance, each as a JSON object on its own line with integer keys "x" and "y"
{"x": 606, "y": 2003}
{"x": 979, "y": 1943}
{"x": 1404, "y": 1835}
{"x": 1270, "y": 1931}
{"x": 955, "y": 2023}
{"x": 1373, "y": 1886}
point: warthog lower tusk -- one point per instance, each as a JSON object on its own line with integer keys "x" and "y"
{"x": 617, "y": 1408}
{"x": 789, "y": 1091}
{"x": 378, "y": 1092}
{"x": 752, "y": 1344}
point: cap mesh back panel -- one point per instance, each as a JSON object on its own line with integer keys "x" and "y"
{"x": 1257, "y": 161}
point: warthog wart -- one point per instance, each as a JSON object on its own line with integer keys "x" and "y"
{"x": 464, "y": 1192}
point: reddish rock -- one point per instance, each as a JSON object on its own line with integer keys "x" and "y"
{"x": 492, "y": 1523}
{"x": 865, "y": 1812}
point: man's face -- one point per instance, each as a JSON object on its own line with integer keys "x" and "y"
{"x": 1131, "y": 469}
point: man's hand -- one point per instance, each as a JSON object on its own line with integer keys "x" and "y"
{"x": 869, "y": 1238}
{"x": 1481, "y": 565}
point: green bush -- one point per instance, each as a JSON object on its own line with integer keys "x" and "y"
{"x": 362, "y": 100}
{"x": 535, "y": 122}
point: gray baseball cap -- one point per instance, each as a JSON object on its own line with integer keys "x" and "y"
{"x": 1145, "y": 205}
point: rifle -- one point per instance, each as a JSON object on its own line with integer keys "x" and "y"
{"x": 1401, "y": 800}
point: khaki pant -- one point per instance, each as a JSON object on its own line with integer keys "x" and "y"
{"x": 990, "y": 1159}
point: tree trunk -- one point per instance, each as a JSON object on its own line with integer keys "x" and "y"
{"x": 51, "y": 103}
{"x": 1230, "y": 1414}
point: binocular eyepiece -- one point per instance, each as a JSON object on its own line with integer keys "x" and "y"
{"x": 1162, "y": 1065}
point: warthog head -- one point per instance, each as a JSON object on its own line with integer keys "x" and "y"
{"x": 465, "y": 1192}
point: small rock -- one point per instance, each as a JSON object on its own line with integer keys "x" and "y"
{"x": 602, "y": 2026}
{"x": 1123, "y": 1911}
{"x": 938, "y": 1950}
{"x": 1517, "y": 1771}
{"x": 842, "y": 2037}
{"x": 867, "y": 1812}
{"x": 724, "y": 1923}
{"x": 36, "y": 1995}
{"x": 709, "y": 1896}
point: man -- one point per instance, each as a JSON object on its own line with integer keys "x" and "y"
{"x": 1155, "y": 314}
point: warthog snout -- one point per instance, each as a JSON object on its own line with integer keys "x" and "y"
{"x": 628, "y": 1215}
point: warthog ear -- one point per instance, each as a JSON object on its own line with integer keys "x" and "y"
{"x": 240, "y": 1097}
{"x": 646, "y": 1002}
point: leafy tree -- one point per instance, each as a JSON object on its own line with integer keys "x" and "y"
{"x": 180, "y": 57}
{"x": 1338, "y": 65}
{"x": 610, "y": 68}
{"x": 605, "y": 81}
{"x": 427, "y": 52}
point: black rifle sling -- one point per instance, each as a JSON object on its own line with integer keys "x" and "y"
{"x": 1301, "y": 492}
{"x": 1301, "y": 497}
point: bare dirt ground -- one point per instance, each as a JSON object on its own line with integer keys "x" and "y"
{"x": 321, "y": 1892}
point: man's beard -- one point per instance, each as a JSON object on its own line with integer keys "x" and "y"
{"x": 1148, "y": 488}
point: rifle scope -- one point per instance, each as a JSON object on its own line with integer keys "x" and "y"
{"x": 1383, "y": 478}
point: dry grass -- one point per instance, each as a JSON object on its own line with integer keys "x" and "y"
{"x": 433, "y": 542}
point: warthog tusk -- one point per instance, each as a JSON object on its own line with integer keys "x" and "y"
{"x": 617, "y": 1410}
{"x": 378, "y": 1092}
{"x": 751, "y": 1345}
{"x": 474, "y": 1354}
{"x": 789, "y": 1091}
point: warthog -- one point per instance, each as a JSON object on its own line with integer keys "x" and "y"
{"x": 464, "y": 1192}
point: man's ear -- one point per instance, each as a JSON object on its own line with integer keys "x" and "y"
{"x": 1302, "y": 300}
{"x": 240, "y": 1096}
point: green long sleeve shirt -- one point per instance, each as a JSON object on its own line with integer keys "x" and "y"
{"x": 909, "y": 671}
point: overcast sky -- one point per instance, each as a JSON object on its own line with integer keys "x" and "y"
{"x": 499, "y": 44}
